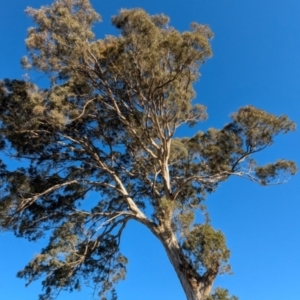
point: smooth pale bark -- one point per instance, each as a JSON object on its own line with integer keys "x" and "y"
{"x": 195, "y": 286}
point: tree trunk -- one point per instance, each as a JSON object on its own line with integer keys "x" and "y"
{"x": 195, "y": 286}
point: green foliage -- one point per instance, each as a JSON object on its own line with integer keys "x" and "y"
{"x": 207, "y": 249}
{"x": 68, "y": 262}
{"x": 106, "y": 125}
{"x": 273, "y": 171}
{"x": 221, "y": 294}
{"x": 62, "y": 33}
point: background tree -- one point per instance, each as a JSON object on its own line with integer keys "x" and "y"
{"x": 107, "y": 124}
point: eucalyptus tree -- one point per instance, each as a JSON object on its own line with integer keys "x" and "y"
{"x": 106, "y": 126}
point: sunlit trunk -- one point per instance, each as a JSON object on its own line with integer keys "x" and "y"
{"x": 195, "y": 286}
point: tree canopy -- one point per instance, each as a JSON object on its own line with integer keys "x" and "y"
{"x": 107, "y": 125}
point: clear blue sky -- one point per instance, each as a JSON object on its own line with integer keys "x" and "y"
{"x": 256, "y": 61}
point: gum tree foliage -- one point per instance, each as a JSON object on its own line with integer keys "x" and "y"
{"x": 107, "y": 124}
